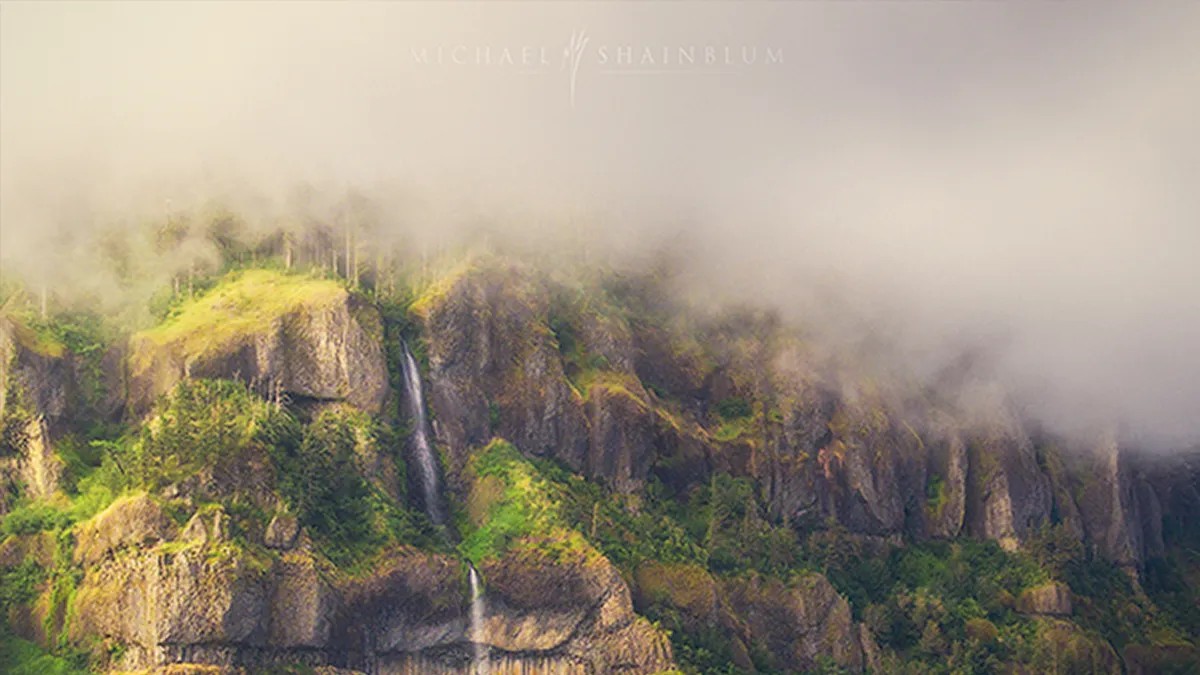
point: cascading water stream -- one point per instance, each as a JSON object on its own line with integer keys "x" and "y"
{"x": 480, "y": 657}
{"x": 426, "y": 467}
{"x": 426, "y": 464}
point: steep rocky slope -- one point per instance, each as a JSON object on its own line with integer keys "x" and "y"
{"x": 822, "y": 447}
{"x": 712, "y": 472}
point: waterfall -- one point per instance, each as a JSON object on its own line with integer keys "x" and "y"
{"x": 480, "y": 659}
{"x": 422, "y": 446}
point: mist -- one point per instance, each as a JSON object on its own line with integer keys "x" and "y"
{"x": 1018, "y": 178}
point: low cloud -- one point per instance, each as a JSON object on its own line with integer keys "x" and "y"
{"x": 1018, "y": 176}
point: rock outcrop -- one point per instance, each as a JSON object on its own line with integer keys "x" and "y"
{"x": 796, "y": 624}
{"x": 1110, "y": 502}
{"x": 321, "y": 344}
{"x": 36, "y": 374}
{"x": 281, "y": 532}
{"x": 130, "y": 522}
{"x": 800, "y": 622}
{"x": 37, "y": 469}
{"x": 621, "y": 440}
{"x": 1068, "y": 648}
{"x": 1008, "y": 496}
{"x": 580, "y": 610}
{"x": 209, "y": 601}
{"x": 1049, "y": 599}
{"x": 490, "y": 350}
{"x": 614, "y": 396}
{"x": 37, "y": 397}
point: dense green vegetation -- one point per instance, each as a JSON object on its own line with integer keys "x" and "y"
{"x": 318, "y": 475}
{"x": 209, "y": 434}
{"x": 625, "y": 533}
{"x": 20, "y": 586}
{"x": 203, "y": 425}
{"x": 948, "y": 606}
{"x": 512, "y": 504}
{"x": 719, "y": 530}
{"x": 21, "y": 657}
{"x": 939, "y": 607}
{"x": 206, "y": 426}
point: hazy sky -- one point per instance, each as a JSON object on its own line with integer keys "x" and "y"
{"x": 1027, "y": 172}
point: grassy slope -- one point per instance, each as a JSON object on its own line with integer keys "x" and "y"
{"x": 512, "y": 505}
{"x": 243, "y": 303}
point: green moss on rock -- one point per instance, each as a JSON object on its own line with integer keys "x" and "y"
{"x": 243, "y": 303}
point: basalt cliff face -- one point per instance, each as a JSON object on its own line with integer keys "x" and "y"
{"x": 875, "y": 459}
{"x": 186, "y": 595}
{"x": 232, "y": 569}
{"x": 37, "y": 395}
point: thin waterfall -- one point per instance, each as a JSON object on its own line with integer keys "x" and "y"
{"x": 426, "y": 465}
{"x": 480, "y": 657}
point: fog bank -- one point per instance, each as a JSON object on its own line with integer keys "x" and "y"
{"x": 1022, "y": 176}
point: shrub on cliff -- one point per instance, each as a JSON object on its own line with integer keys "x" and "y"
{"x": 201, "y": 424}
{"x": 219, "y": 441}
{"x": 317, "y": 475}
